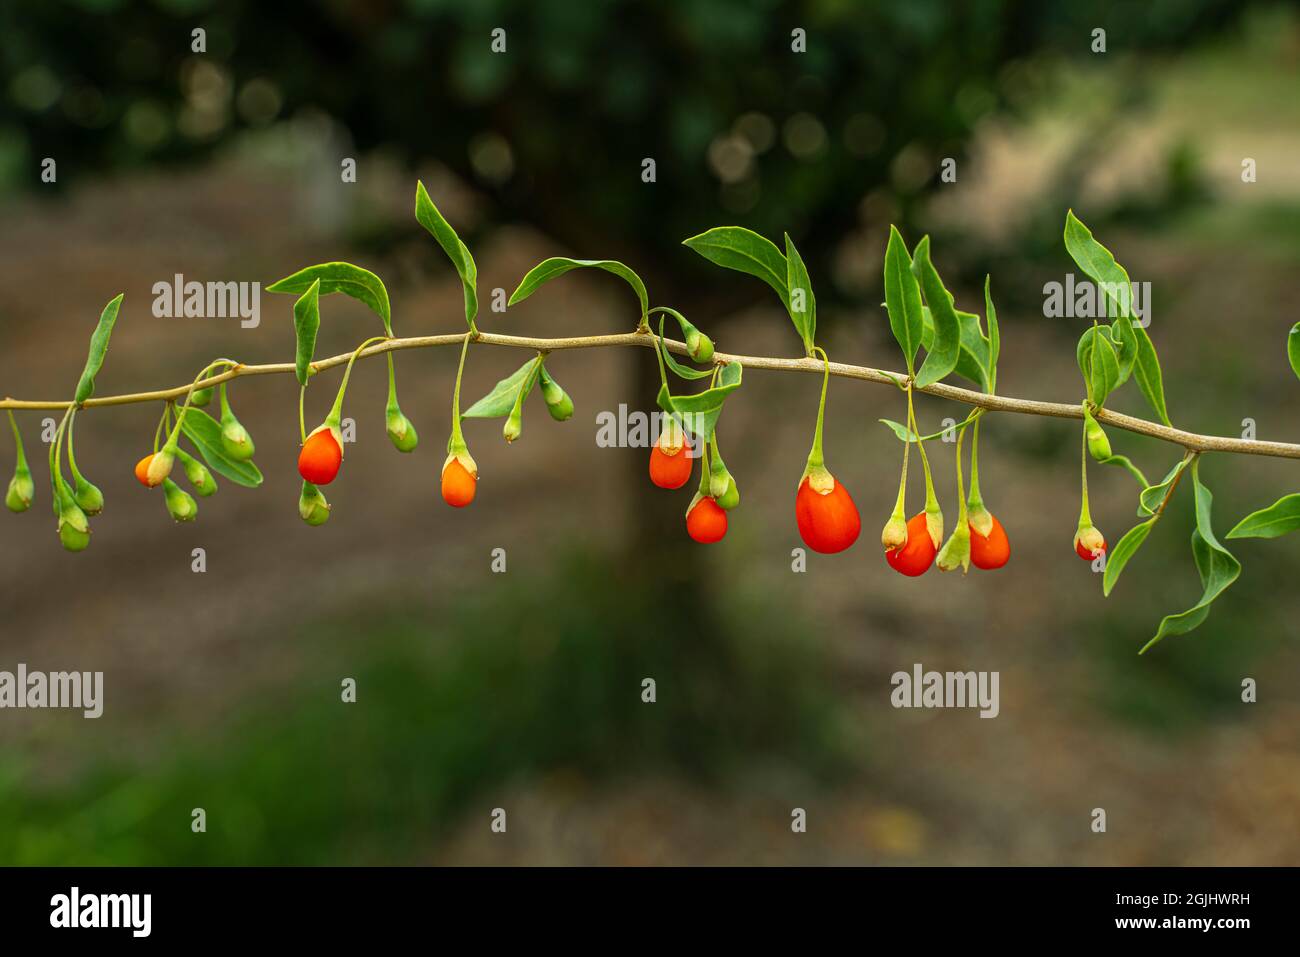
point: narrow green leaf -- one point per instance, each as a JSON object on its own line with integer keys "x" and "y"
{"x": 902, "y": 298}
{"x": 802, "y": 305}
{"x": 995, "y": 335}
{"x": 1293, "y": 348}
{"x": 548, "y": 269}
{"x": 1279, "y": 518}
{"x": 1146, "y": 370}
{"x": 1124, "y": 462}
{"x": 501, "y": 400}
{"x": 427, "y": 215}
{"x": 700, "y": 410}
{"x": 905, "y": 434}
{"x": 1125, "y": 549}
{"x": 944, "y": 351}
{"x": 98, "y": 349}
{"x": 973, "y": 359}
{"x": 1215, "y": 564}
{"x": 360, "y": 284}
{"x": 679, "y": 369}
{"x": 306, "y": 322}
{"x": 205, "y": 432}
{"x": 741, "y": 249}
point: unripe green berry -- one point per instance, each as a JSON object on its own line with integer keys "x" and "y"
{"x": 88, "y": 497}
{"x": 21, "y": 491}
{"x": 197, "y": 474}
{"x": 201, "y": 397}
{"x": 236, "y": 440}
{"x": 401, "y": 432}
{"x": 180, "y": 504}
{"x": 312, "y": 506}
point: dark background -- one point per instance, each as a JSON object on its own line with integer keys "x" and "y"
{"x": 522, "y": 690}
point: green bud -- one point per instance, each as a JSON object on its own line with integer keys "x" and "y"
{"x": 934, "y": 524}
{"x": 87, "y": 496}
{"x": 312, "y": 505}
{"x": 731, "y": 497}
{"x": 180, "y": 504}
{"x": 1098, "y": 443}
{"x": 699, "y": 346}
{"x": 558, "y": 403}
{"x": 894, "y": 534}
{"x": 21, "y": 491}
{"x": 197, "y": 474}
{"x": 956, "y": 551}
{"x": 201, "y": 397}
{"x": 514, "y": 423}
{"x": 400, "y": 431}
{"x": 234, "y": 437}
{"x": 73, "y": 538}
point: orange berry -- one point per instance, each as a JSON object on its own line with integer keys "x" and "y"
{"x": 458, "y": 484}
{"x": 142, "y": 470}
{"x": 320, "y": 458}
{"x": 670, "y": 471}
{"x": 917, "y": 554}
{"x": 827, "y": 523}
{"x": 991, "y": 551}
{"x": 707, "y": 522}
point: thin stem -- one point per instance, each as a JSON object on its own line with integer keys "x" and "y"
{"x": 931, "y": 501}
{"x": 994, "y": 403}
{"x": 21, "y": 459}
{"x": 975, "y": 499}
{"x": 1085, "y": 516}
{"x": 337, "y": 409}
{"x": 815, "y": 457}
{"x": 458, "y": 440}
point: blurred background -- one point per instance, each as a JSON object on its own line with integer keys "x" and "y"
{"x": 522, "y": 690}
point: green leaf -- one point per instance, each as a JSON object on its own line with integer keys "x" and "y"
{"x": 1137, "y": 351}
{"x": 1279, "y": 518}
{"x": 548, "y": 269}
{"x": 501, "y": 400}
{"x": 744, "y": 250}
{"x": 306, "y": 322}
{"x": 1123, "y": 551}
{"x": 804, "y": 315}
{"x": 700, "y": 410}
{"x": 902, "y": 298}
{"x": 361, "y": 284}
{"x": 98, "y": 349}
{"x": 945, "y": 349}
{"x": 1096, "y": 357}
{"x": 1124, "y": 462}
{"x": 682, "y": 371}
{"x": 427, "y": 215}
{"x": 995, "y": 336}
{"x": 905, "y": 434}
{"x": 1153, "y": 495}
{"x": 1215, "y": 564}
{"x": 205, "y": 432}
{"x": 973, "y": 359}
{"x": 1293, "y": 348}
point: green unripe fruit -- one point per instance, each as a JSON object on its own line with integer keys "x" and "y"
{"x": 21, "y": 491}
{"x": 558, "y": 403}
{"x": 699, "y": 346}
{"x": 1098, "y": 442}
{"x": 401, "y": 432}
{"x": 73, "y": 538}
{"x": 88, "y": 497}
{"x": 180, "y": 504}
{"x": 197, "y": 474}
{"x": 731, "y": 497}
{"x": 201, "y": 397}
{"x": 236, "y": 440}
{"x": 514, "y": 424}
{"x": 312, "y": 505}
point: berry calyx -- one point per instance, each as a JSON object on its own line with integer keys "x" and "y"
{"x": 917, "y": 553}
{"x": 400, "y": 431}
{"x": 991, "y": 550}
{"x": 152, "y": 469}
{"x": 828, "y": 520}
{"x": 706, "y": 521}
{"x": 321, "y": 456}
{"x": 459, "y": 483}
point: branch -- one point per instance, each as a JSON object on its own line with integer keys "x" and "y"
{"x": 994, "y": 403}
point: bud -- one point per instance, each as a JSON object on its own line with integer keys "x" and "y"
{"x": 74, "y": 530}
{"x": 21, "y": 490}
{"x": 197, "y": 474}
{"x": 956, "y": 551}
{"x": 180, "y": 504}
{"x": 722, "y": 486}
{"x": 934, "y": 524}
{"x": 159, "y": 467}
{"x": 1098, "y": 443}
{"x": 400, "y": 431}
{"x": 201, "y": 397}
{"x": 699, "y": 346}
{"x": 731, "y": 497}
{"x": 312, "y": 505}
{"x": 235, "y": 439}
{"x": 894, "y": 534}
{"x": 514, "y": 423}
{"x": 558, "y": 402}
{"x": 73, "y": 539}
{"x": 87, "y": 496}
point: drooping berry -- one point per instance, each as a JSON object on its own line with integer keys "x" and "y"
{"x": 321, "y": 456}
{"x": 1089, "y": 543}
{"x": 142, "y": 469}
{"x": 992, "y": 550}
{"x": 458, "y": 483}
{"x": 197, "y": 474}
{"x": 400, "y": 431}
{"x": 180, "y": 504}
{"x": 828, "y": 521}
{"x": 917, "y": 554}
{"x": 706, "y": 522}
{"x": 21, "y": 490}
{"x": 152, "y": 469}
{"x": 670, "y": 461}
